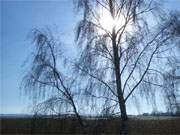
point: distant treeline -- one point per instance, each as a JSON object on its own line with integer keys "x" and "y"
{"x": 161, "y": 114}
{"x": 104, "y": 116}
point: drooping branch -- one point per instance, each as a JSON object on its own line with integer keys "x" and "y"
{"x": 148, "y": 66}
{"x": 98, "y": 79}
{"x": 140, "y": 54}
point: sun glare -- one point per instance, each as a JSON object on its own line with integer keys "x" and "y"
{"x": 107, "y": 22}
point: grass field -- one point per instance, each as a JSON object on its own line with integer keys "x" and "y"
{"x": 138, "y": 126}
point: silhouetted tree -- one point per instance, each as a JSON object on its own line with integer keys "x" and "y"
{"x": 117, "y": 60}
{"x": 120, "y": 58}
{"x": 172, "y": 83}
{"x": 45, "y": 79}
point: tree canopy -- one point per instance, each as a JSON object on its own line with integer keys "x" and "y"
{"x": 124, "y": 47}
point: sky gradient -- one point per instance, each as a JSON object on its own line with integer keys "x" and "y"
{"x": 18, "y": 18}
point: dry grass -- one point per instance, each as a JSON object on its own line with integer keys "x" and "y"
{"x": 102, "y": 126}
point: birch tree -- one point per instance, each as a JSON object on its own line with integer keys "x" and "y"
{"x": 121, "y": 44}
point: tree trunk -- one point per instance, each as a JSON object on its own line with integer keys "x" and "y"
{"x": 77, "y": 114}
{"x": 79, "y": 119}
{"x": 121, "y": 100}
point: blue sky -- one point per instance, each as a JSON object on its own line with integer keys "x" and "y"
{"x": 18, "y": 17}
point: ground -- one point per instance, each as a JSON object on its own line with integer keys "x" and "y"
{"x": 136, "y": 125}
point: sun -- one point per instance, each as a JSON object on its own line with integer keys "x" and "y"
{"x": 107, "y": 22}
